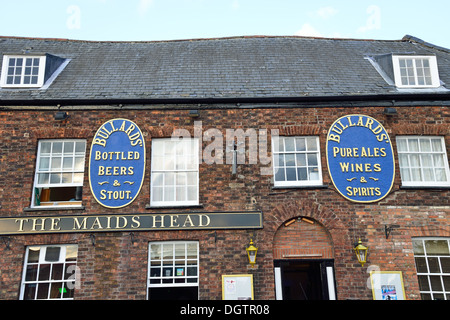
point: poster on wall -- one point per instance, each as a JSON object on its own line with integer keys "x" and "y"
{"x": 360, "y": 158}
{"x": 237, "y": 287}
{"x": 387, "y": 285}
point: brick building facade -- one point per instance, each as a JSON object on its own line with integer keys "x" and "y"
{"x": 203, "y": 211}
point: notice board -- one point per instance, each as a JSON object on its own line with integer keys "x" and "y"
{"x": 237, "y": 287}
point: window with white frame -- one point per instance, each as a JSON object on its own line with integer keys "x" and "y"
{"x": 416, "y": 71}
{"x": 173, "y": 270}
{"x": 432, "y": 257}
{"x": 49, "y": 272}
{"x": 59, "y": 173}
{"x": 296, "y": 161}
{"x": 174, "y": 172}
{"x": 423, "y": 161}
{"x": 23, "y": 71}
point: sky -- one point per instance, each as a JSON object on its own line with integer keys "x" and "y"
{"x": 149, "y": 20}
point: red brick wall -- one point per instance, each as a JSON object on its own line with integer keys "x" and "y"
{"x": 117, "y": 268}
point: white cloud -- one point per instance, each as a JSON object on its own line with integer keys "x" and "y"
{"x": 308, "y": 30}
{"x": 326, "y": 12}
{"x": 143, "y": 6}
{"x": 235, "y": 5}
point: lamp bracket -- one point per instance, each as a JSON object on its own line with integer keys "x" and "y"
{"x": 6, "y": 241}
{"x": 389, "y": 228}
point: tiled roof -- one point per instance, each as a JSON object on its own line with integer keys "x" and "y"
{"x": 224, "y": 68}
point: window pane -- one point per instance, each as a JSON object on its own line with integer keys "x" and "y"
{"x": 418, "y": 247}
{"x": 68, "y": 147}
{"x": 413, "y": 145}
{"x": 435, "y": 282}
{"x": 192, "y": 193}
{"x": 33, "y": 254}
{"x": 436, "y": 145}
{"x": 433, "y": 265}
{"x": 56, "y": 164}
{"x": 32, "y": 271}
{"x": 279, "y": 174}
{"x": 289, "y": 144}
{"x": 445, "y": 264}
{"x": 279, "y": 160}
{"x": 302, "y": 174}
{"x": 301, "y": 160}
{"x": 79, "y": 164}
{"x": 57, "y": 271}
{"x": 67, "y": 163}
{"x": 52, "y": 254}
{"x": 312, "y": 159}
{"x": 57, "y": 147}
{"x": 71, "y": 252}
{"x": 180, "y": 251}
{"x": 80, "y": 147}
{"x": 421, "y": 265}
{"x": 290, "y": 160}
{"x": 423, "y": 283}
{"x": 78, "y": 178}
{"x": 437, "y": 247}
{"x": 45, "y": 147}
{"x": 425, "y": 145}
{"x": 446, "y": 280}
{"x": 44, "y": 163}
{"x": 291, "y": 174}
{"x": 42, "y": 291}
{"x": 55, "y": 178}
{"x": 311, "y": 143}
{"x": 30, "y": 291}
{"x": 44, "y": 272}
{"x": 300, "y": 144}
{"x": 56, "y": 290}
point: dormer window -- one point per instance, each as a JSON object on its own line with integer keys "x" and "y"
{"x": 23, "y": 71}
{"x": 30, "y": 71}
{"x": 415, "y": 71}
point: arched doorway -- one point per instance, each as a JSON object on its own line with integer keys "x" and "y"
{"x": 304, "y": 261}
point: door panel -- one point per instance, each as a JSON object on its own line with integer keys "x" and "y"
{"x": 304, "y": 280}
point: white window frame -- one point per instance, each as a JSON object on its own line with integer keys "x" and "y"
{"x": 5, "y": 70}
{"x": 406, "y": 156}
{"x": 277, "y": 142}
{"x": 434, "y": 275}
{"x": 68, "y": 272}
{"x": 38, "y": 171}
{"x": 176, "y": 268}
{"x": 176, "y": 166}
{"x": 435, "y": 82}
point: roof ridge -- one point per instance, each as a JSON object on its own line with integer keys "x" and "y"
{"x": 410, "y": 38}
{"x": 198, "y": 39}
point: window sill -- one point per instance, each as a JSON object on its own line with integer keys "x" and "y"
{"x": 55, "y": 208}
{"x": 426, "y": 187}
{"x": 194, "y": 206}
{"x": 321, "y": 186}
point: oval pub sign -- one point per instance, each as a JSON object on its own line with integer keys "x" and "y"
{"x": 117, "y": 163}
{"x": 360, "y": 158}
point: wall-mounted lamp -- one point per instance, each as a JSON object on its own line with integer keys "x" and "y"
{"x": 194, "y": 113}
{"x": 390, "y": 111}
{"x": 361, "y": 252}
{"x": 251, "y": 252}
{"x": 61, "y": 115}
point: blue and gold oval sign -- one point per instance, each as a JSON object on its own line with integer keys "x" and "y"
{"x": 117, "y": 163}
{"x": 360, "y": 158}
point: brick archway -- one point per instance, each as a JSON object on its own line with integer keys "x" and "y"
{"x": 327, "y": 224}
{"x": 302, "y": 238}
